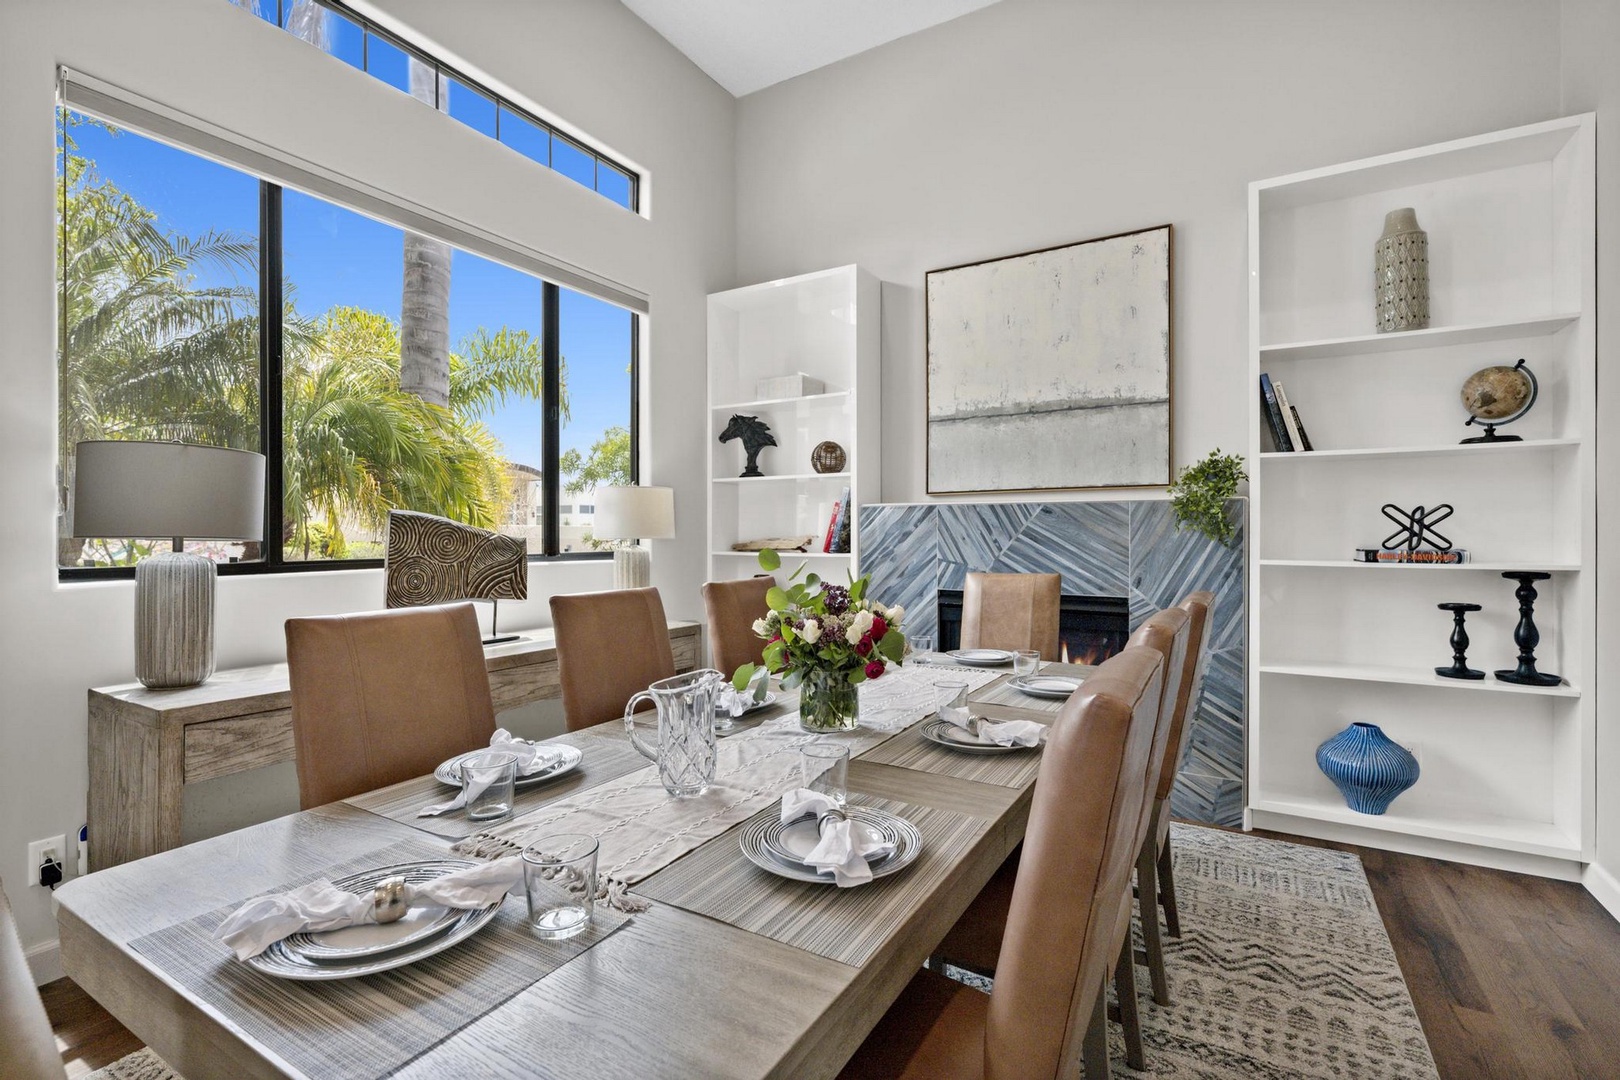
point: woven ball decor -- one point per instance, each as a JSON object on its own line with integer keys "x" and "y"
{"x": 828, "y": 457}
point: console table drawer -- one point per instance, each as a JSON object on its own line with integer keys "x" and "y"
{"x": 222, "y": 747}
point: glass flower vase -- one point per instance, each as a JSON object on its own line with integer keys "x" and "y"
{"x": 828, "y": 702}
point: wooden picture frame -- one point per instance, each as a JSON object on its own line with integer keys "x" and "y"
{"x": 1051, "y": 369}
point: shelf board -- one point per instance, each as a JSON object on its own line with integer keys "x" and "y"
{"x": 1342, "y": 564}
{"x": 1432, "y": 338}
{"x": 763, "y": 403}
{"x": 789, "y": 556}
{"x": 791, "y": 476}
{"x": 1412, "y": 677}
{"x": 1456, "y": 449}
{"x": 1509, "y": 834}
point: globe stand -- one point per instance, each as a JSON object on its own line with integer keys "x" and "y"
{"x": 1490, "y": 426}
{"x": 1459, "y": 668}
{"x": 1525, "y": 635}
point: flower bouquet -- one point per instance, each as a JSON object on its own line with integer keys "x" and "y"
{"x": 825, "y": 640}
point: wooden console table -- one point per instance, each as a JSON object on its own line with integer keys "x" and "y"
{"x": 147, "y": 745}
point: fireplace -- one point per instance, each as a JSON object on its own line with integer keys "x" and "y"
{"x": 1090, "y": 628}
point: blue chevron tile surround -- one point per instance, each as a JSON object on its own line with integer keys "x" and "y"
{"x": 1117, "y": 548}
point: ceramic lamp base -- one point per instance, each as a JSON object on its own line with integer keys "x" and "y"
{"x": 632, "y": 568}
{"x": 174, "y": 620}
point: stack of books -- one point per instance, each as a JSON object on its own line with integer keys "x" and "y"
{"x": 1287, "y": 430}
{"x": 836, "y": 540}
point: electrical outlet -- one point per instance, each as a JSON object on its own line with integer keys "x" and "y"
{"x": 54, "y": 847}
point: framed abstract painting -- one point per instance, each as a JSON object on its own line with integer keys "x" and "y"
{"x": 1050, "y": 369}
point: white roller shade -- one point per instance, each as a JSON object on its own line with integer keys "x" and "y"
{"x": 126, "y": 108}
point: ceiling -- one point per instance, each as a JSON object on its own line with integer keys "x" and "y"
{"x": 747, "y": 45}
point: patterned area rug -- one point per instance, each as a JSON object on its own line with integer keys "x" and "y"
{"x": 141, "y": 1065}
{"x": 1283, "y": 971}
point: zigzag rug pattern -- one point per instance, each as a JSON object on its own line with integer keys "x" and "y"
{"x": 1283, "y": 971}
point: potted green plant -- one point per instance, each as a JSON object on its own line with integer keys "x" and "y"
{"x": 1200, "y": 493}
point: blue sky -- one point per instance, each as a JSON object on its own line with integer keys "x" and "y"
{"x": 335, "y": 256}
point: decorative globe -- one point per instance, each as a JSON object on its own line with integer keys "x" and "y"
{"x": 1497, "y": 394}
{"x": 828, "y": 457}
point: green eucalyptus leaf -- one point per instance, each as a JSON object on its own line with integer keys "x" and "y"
{"x": 743, "y": 677}
{"x": 892, "y": 646}
{"x": 857, "y": 676}
{"x": 792, "y": 679}
{"x": 776, "y": 599}
{"x": 812, "y": 580}
{"x": 770, "y": 560}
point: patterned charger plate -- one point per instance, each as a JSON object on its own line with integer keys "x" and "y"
{"x": 763, "y": 853}
{"x": 561, "y": 759}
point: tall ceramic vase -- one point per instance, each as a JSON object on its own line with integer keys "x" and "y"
{"x": 1401, "y": 273}
{"x": 1368, "y": 767}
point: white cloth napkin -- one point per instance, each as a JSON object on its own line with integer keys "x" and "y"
{"x": 845, "y": 847}
{"x": 736, "y": 702}
{"x": 320, "y": 905}
{"x": 1007, "y": 733}
{"x": 531, "y": 758}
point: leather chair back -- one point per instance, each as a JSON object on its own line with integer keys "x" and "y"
{"x": 1074, "y": 877}
{"x": 383, "y": 696}
{"x": 1200, "y": 608}
{"x": 610, "y": 645}
{"x": 1168, "y": 633}
{"x": 1012, "y": 611}
{"x": 27, "y": 1046}
{"x": 732, "y": 607}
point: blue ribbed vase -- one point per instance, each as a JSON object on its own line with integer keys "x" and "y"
{"x": 1368, "y": 767}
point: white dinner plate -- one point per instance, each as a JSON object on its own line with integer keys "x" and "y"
{"x": 981, "y": 657}
{"x": 797, "y": 839}
{"x": 1045, "y": 686}
{"x": 286, "y": 960}
{"x": 560, "y": 760}
{"x": 722, "y": 713}
{"x": 944, "y": 733}
{"x": 907, "y": 847}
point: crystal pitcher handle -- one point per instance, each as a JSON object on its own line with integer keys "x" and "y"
{"x": 630, "y": 723}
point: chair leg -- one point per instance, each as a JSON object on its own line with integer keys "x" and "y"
{"x": 1125, "y": 990}
{"x": 1094, "y": 1050}
{"x": 1148, "y": 906}
{"x": 1167, "y": 890}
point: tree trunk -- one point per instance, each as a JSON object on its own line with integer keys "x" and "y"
{"x": 424, "y": 324}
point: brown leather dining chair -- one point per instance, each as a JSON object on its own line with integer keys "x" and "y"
{"x": 27, "y": 1046}
{"x": 1012, "y": 611}
{"x": 732, "y": 607}
{"x": 610, "y": 646}
{"x": 383, "y": 696}
{"x": 1070, "y": 910}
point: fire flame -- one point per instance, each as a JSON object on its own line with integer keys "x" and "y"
{"x": 1090, "y": 656}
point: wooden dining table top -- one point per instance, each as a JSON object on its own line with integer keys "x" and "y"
{"x": 671, "y": 993}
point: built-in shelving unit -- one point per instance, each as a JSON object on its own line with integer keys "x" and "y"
{"x": 1507, "y": 771}
{"x": 825, "y": 325}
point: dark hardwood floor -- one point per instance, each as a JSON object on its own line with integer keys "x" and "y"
{"x": 1513, "y": 976}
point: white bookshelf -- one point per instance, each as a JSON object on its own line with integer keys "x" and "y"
{"x": 826, "y": 325}
{"x": 1507, "y": 771}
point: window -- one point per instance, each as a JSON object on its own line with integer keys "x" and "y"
{"x": 406, "y": 373}
{"x": 355, "y": 40}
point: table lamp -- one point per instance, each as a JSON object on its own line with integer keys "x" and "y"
{"x": 170, "y": 489}
{"x": 633, "y": 513}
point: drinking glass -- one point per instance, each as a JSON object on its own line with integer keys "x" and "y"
{"x": 559, "y": 874}
{"x": 1026, "y": 662}
{"x": 488, "y": 780}
{"x": 922, "y": 648}
{"x": 952, "y": 695}
{"x": 824, "y": 767}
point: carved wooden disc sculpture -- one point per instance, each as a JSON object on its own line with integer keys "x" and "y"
{"x": 433, "y": 560}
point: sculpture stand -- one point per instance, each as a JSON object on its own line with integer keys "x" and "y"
{"x": 495, "y": 636}
{"x": 1525, "y": 635}
{"x": 1459, "y": 668}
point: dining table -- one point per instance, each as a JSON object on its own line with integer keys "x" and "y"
{"x": 714, "y": 968}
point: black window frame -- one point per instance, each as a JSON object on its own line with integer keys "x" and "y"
{"x": 270, "y": 301}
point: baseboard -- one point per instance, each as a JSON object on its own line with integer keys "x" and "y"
{"x": 45, "y": 961}
{"x": 1603, "y": 886}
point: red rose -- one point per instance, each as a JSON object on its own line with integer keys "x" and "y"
{"x": 865, "y": 646}
{"x": 874, "y": 669}
{"x": 879, "y": 628}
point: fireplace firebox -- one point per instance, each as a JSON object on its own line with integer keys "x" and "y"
{"x": 1090, "y": 628}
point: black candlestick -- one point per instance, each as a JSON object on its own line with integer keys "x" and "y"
{"x": 1459, "y": 668}
{"x": 1525, "y": 635}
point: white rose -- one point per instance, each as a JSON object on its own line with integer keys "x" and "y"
{"x": 859, "y": 627}
{"x": 810, "y": 631}
{"x": 896, "y": 613}
{"x": 761, "y": 627}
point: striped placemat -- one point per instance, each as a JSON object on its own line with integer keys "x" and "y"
{"x": 370, "y": 1026}
{"x": 608, "y": 756}
{"x": 909, "y": 750}
{"x": 847, "y": 925}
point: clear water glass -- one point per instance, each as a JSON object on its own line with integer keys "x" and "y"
{"x": 951, "y": 695}
{"x": 489, "y": 780}
{"x": 824, "y": 767}
{"x": 1026, "y": 662}
{"x": 559, "y": 875}
{"x": 922, "y": 649}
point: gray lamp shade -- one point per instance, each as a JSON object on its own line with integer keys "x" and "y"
{"x": 167, "y": 489}
{"x": 634, "y": 513}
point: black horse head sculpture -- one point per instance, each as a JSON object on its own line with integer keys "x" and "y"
{"x": 755, "y": 436}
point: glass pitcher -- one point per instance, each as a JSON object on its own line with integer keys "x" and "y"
{"x": 686, "y": 746}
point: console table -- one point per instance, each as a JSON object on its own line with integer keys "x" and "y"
{"x": 146, "y": 745}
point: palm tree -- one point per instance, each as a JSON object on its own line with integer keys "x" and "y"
{"x": 424, "y": 357}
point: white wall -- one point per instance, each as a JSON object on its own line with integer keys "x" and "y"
{"x": 1038, "y": 122}
{"x": 1591, "y": 74}
{"x": 588, "y": 62}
